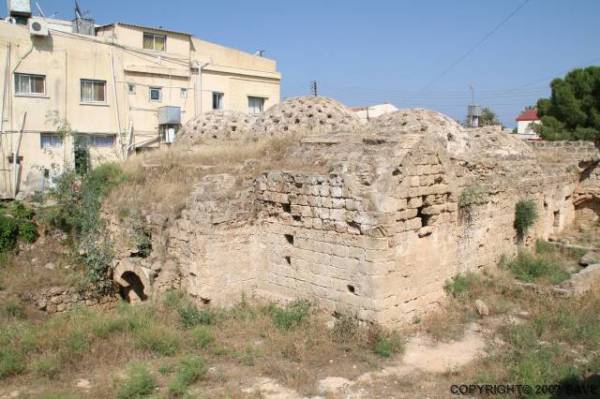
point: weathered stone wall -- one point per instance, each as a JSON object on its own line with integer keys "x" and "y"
{"x": 370, "y": 223}
{"x": 61, "y": 299}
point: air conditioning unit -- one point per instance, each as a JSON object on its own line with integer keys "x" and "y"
{"x": 38, "y": 27}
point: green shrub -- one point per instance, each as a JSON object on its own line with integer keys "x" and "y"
{"x": 9, "y": 232}
{"x": 12, "y": 362}
{"x": 202, "y": 337}
{"x": 460, "y": 284}
{"x": 529, "y": 268}
{"x": 386, "y": 345}
{"x": 19, "y": 211}
{"x": 77, "y": 212}
{"x": 28, "y": 232}
{"x": 290, "y": 316}
{"x": 188, "y": 372}
{"x": 76, "y": 343}
{"x": 525, "y": 216}
{"x": 190, "y": 316}
{"x": 473, "y": 195}
{"x": 138, "y": 384}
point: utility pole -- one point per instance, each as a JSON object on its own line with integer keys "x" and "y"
{"x": 314, "y": 91}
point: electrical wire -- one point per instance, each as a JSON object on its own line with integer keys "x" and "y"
{"x": 475, "y": 47}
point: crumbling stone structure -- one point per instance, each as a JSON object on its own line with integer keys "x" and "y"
{"x": 215, "y": 125}
{"x": 374, "y": 224}
{"x": 305, "y": 115}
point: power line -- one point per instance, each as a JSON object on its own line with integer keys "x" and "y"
{"x": 473, "y": 48}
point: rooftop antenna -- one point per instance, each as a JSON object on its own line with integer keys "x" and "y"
{"x": 314, "y": 89}
{"x": 78, "y": 13}
{"x": 37, "y": 5}
{"x": 472, "y": 94}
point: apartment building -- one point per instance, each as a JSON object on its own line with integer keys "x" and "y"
{"x": 74, "y": 100}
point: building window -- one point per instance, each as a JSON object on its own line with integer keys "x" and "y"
{"x": 155, "y": 94}
{"x": 131, "y": 88}
{"x": 32, "y": 85}
{"x": 183, "y": 93}
{"x": 154, "y": 41}
{"x": 217, "y": 100}
{"x": 101, "y": 140}
{"x": 93, "y": 91}
{"x": 50, "y": 140}
{"x": 256, "y": 105}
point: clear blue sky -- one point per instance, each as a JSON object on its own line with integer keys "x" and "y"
{"x": 364, "y": 52}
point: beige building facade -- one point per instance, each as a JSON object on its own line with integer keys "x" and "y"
{"x": 70, "y": 99}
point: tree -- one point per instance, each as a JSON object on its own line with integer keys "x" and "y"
{"x": 573, "y": 110}
{"x": 488, "y": 118}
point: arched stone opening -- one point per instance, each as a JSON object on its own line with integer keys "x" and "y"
{"x": 587, "y": 213}
{"x": 134, "y": 290}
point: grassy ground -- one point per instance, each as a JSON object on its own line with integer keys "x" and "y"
{"x": 171, "y": 348}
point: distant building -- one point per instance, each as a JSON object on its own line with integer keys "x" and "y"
{"x": 121, "y": 87}
{"x": 526, "y": 121}
{"x": 373, "y": 111}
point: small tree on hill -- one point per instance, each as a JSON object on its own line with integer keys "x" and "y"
{"x": 488, "y": 118}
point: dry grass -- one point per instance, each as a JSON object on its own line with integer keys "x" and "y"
{"x": 161, "y": 181}
{"x": 239, "y": 344}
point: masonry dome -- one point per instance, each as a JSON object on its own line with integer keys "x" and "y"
{"x": 215, "y": 125}
{"x": 307, "y": 115}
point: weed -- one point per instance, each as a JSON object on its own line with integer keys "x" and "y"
{"x": 48, "y": 367}
{"x": 388, "y": 344}
{"x": 9, "y": 231}
{"x": 166, "y": 369}
{"x": 138, "y": 384}
{"x": 291, "y": 316}
{"x": 345, "y": 329}
{"x": 202, "y": 337}
{"x": 460, "y": 284}
{"x": 529, "y": 268}
{"x": 188, "y": 372}
{"x": 14, "y": 310}
{"x": 173, "y": 299}
{"x": 190, "y": 316}
{"x": 248, "y": 356}
{"x": 525, "y": 216}
{"x": 158, "y": 339}
{"x": 473, "y": 195}
{"x": 12, "y": 362}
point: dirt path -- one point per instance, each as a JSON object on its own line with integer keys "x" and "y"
{"x": 423, "y": 358}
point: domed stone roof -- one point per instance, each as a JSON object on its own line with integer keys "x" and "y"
{"x": 414, "y": 120}
{"x": 420, "y": 120}
{"x": 305, "y": 115}
{"x": 215, "y": 125}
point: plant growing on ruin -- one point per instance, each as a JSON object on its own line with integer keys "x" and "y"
{"x": 460, "y": 284}
{"x": 79, "y": 200}
{"x": 530, "y": 268}
{"x": 473, "y": 195}
{"x": 525, "y": 216}
{"x": 16, "y": 223}
{"x": 291, "y": 316}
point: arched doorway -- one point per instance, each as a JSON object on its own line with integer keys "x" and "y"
{"x": 134, "y": 290}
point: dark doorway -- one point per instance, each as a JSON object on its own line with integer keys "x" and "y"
{"x": 134, "y": 292}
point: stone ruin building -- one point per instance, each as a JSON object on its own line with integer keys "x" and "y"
{"x": 374, "y": 219}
